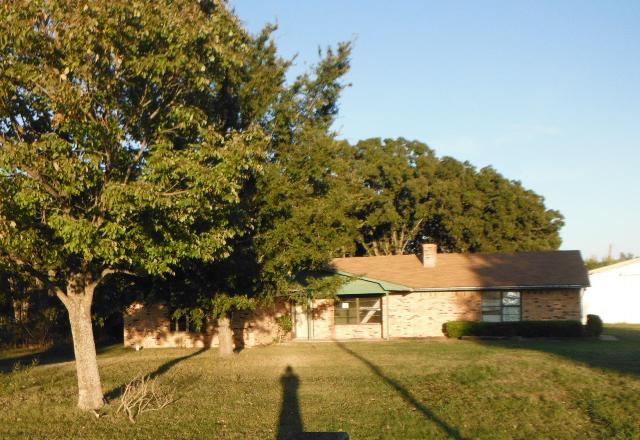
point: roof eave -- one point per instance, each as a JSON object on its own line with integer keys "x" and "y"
{"x": 614, "y": 266}
{"x": 467, "y": 288}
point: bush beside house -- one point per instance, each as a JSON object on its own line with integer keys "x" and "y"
{"x": 528, "y": 329}
{"x": 593, "y": 327}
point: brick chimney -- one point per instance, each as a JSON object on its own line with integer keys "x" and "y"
{"x": 429, "y": 254}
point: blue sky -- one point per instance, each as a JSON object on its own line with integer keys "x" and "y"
{"x": 547, "y": 92}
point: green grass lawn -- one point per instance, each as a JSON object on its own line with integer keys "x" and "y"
{"x": 398, "y": 390}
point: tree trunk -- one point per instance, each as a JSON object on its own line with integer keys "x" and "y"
{"x": 78, "y": 305}
{"x": 224, "y": 336}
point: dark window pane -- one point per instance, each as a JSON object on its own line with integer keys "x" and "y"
{"x": 491, "y": 318}
{"x": 511, "y": 314}
{"x": 346, "y": 312}
{"x": 501, "y": 306}
{"x": 491, "y": 307}
{"x": 490, "y": 299}
{"x": 358, "y": 310}
{"x": 491, "y": 302}
{"x": 369, "y": 303}
{"x": 370, "y": 316}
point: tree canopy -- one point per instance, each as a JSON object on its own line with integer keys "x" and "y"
{"x": 411, "y": 196}
{"x": 302, "y": 197}
{"x": 128, "y": 130}
{"x": 114, "y": 151}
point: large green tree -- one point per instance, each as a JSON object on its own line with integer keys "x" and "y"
{"x": 293, "y": 212}
{"x": 299, "y": 204}
{"x": 126, "y": 135}
{"x": 395, "y": 178}
{"x": 410, "y": 196}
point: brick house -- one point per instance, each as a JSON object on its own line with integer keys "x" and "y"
{"x": 398, "y": 296}
{"x": 413, "y": 296}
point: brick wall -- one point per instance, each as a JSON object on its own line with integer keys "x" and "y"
{"x": 417, "y": 314}
{"x": 422, "y": 314}
{"x": 322, "y": 319}
{"x": 551, "y": 304}
{"x": 361, "y": 331}
{"x": 150, "y": 326}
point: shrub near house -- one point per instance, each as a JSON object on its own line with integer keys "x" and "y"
{"x": 527, "y": 329}
{"x": 594, "y": 326}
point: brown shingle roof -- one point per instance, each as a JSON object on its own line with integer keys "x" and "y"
{"x": 482, "y": 270}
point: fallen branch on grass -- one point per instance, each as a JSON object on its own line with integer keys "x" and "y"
{"x": 142, "y": 395}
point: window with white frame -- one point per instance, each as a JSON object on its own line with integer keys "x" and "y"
{"x": 501, "y": 306}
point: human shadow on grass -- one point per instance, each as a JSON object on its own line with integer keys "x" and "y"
{"x": 290, "y": 425}
{"x": 162, "y": 369}
{"x": 290, "y": 420}
{"x": 405, "y": 394}
{"x": 622, "y": 356}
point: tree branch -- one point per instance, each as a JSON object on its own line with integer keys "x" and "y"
{"x": 374, "y": 246}
{"x": 40, "y": 179}
{"x": 173, "y": 193}
{"x": 28, "y": 268}
{"x": 412, "y": 234}
{"x": 135, "y": 162}
{"x": 109, "y": 271}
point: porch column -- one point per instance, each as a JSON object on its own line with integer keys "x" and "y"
{"x": 385, "y": 319}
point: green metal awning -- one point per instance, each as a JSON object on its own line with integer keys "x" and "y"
{"x": 363, "y": 286}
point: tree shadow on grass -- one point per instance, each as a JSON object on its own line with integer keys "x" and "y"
{"x": 162, "y": 369}
{"x": 51, "y": 355}
{"x": 406, "y": 395}
{"x": 621, "y": 356}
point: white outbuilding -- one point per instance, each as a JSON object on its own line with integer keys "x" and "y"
{"x": 614, "y": 294}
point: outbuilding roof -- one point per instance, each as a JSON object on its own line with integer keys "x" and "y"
{"x": 465, "y": 271}
{"x": 615, "y": 266}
